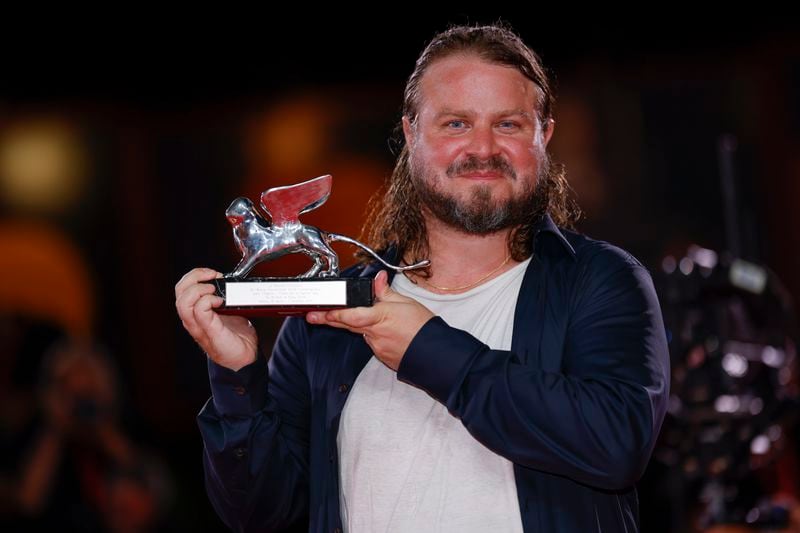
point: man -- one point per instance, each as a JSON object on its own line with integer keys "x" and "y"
{"x": 518, "y": 385}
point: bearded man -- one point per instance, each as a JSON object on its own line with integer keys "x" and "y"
{"x": 518, "y": 384}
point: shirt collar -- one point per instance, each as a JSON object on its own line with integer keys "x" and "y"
{"x": 546, "y": 224}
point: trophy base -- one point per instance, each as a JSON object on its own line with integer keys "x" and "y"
{"x": 254, "y": 297}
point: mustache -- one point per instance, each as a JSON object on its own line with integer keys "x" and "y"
{"x": 495, "y": 163}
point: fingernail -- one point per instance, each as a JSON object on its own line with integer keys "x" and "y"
{"x": 311, "y": 317}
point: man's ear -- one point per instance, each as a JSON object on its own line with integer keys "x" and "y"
{"x": 408, "y": 131}
{"x": 547, "y": 130}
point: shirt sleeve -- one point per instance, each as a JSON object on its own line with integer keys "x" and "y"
{"x": 595, "y": 421}
{"x": 255, "y": 437}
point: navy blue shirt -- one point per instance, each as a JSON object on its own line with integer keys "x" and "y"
{"x": 576, "y": 403}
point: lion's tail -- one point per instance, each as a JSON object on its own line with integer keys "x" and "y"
{"x": 344, "y": 238}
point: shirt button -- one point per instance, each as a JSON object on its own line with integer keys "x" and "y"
{"x": 343, "y": 387}
{"x": 239, "y": 453}
{"x": 239, "y": 390}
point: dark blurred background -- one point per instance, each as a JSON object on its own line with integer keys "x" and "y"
{"x": 123, "y": 140}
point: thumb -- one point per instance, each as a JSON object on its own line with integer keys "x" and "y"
{"x": 381, "y": 284}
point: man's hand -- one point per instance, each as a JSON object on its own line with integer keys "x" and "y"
{"x": 388, "y": 326}
{"x": 229, "y": 341}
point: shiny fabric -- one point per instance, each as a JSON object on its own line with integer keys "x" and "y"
{"x": 576, "y": 403}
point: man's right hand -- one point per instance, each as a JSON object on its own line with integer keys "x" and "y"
{"x": 230, "y": 341}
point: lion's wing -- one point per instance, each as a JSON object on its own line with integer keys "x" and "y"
{"x": 287, "y": 203}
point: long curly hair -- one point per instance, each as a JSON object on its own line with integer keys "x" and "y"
{"x": 394, "y": 214}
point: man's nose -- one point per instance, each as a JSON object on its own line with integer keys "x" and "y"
{"x": 483, "y": 143}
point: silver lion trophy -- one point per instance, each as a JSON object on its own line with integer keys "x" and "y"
{"x": 261, "y": 238}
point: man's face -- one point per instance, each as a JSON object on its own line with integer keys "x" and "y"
{"x": 476, "y": 148}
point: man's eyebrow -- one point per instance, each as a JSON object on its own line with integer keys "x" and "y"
{"x": 513, "y": 112}
{"x": 448, "y": 112}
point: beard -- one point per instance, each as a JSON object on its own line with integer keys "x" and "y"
{"x": 480, "y": 214}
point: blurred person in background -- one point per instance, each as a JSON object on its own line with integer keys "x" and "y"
{"x": 78, "y": 469}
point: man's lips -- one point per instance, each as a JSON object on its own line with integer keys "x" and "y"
{"x": 485, "y": 175}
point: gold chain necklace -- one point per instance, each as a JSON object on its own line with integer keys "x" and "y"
{"x": 469, "y": 286}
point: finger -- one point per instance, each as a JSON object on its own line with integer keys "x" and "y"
{"x": 342, "y": 325}
{"x": 383, "y": 290}
{"x": 194, "y": 276}
{"x": 208, "y": 322}
{"x": 355, "y": 317}
{"x": 381, "y": 285}
{"x": 321, "y": 318}
{"x": 326, "y": 319}
{"x": 188, "y": 299}
{"x": 204, "y": 311}
{"x": 191, "y": 294}
{"x": 187, "y": 280}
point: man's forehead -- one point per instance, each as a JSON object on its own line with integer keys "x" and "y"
{"x": 448, "y": 84}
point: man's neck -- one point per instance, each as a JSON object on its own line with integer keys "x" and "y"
{"x": 459, "y": 259}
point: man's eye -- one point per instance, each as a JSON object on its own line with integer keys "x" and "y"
{"x": 457, "y": 124}
{"x": 507, "y": 124}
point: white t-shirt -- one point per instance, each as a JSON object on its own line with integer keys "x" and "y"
{"x": 406, "y": 463}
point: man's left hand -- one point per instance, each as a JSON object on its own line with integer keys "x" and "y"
{"x": 388, "y": 326}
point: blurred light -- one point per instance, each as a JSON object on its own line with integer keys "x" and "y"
{"x": 291, "y": 135}
{"x": 686, "y": 266}
{"x": 696, "y": 357}
{"x": 42, "y": 165}
{"x": 784, "y": 376}
{"x": 727, "y": 404}
{"x": 718, "y": 465}
{"x": 759, "y": 445}
{"x": 756, "y": 405}
{"x": 45, "y": 276}
{"x": 668, "y": 264}
{"x": 748, "y": 276}
{"x": 753, "y": 515}
{"x": 774, "y": 432}
{"x": 772, "y": 356}
{"x": 703, "y": 256}
{"x": 734, "y": 364}
{"x": 752, "y": 351}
